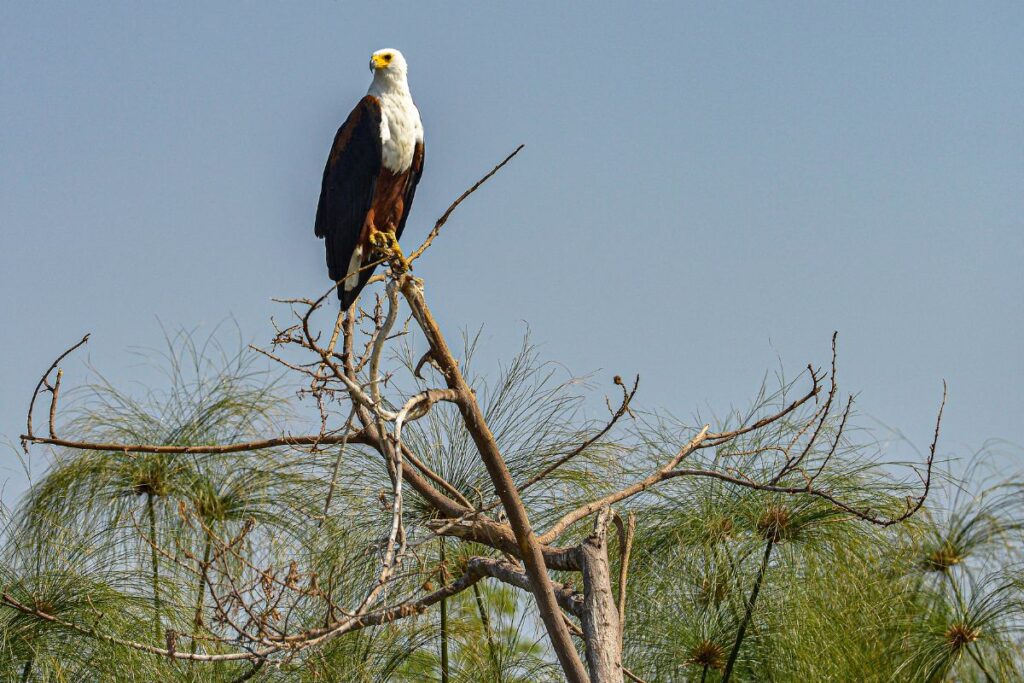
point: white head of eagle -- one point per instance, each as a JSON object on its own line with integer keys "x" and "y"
{"x": 389, "y": 63}
{"x": 370, "y": 178}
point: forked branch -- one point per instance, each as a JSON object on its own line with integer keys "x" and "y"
{"x": 379, "y": 416}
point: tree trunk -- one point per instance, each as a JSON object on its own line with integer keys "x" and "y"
{"x": 197, "y": 621}
{"x": 492, "y": 647}
{"x": 444, "y": 621}
{"x": 749, "y": 611}
{"x": 155, "y": 560}
{"x": 600, "y": 618}
{"x": 505, "y": 486}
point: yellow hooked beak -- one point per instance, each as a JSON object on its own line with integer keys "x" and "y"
{"x": 379, "y": 62}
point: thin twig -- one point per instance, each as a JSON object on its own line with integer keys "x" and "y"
{"x": 626, "y": 531}
{"x": 337, "y": 466}
{"x": 29, "y": 435}
{"x": 246, "y": 446}
{"x": 54, "y": 393}
{"x": 627, "y": 398}
{"x": 444, "y": 217}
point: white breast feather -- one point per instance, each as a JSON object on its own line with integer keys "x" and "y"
{"x": 400, "y": 126}
{"x": 400, "y": 131}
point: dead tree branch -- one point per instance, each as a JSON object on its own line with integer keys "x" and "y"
{"x": 253, "y": 604}
{"x": 454, "y": 205}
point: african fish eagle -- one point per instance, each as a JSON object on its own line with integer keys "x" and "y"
{"x": 370, "y": 179}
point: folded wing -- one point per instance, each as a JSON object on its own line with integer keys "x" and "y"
{"x": 350, "y": 179}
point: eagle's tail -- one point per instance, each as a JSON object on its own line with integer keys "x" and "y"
{"x": 347, "y": 296}
{"x": 354, "y": 280}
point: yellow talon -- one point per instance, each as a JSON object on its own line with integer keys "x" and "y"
{"x": 398, "y": 262}
{"x": 379, "y": 239}
{"x": 387, "y": 245}
{"x": 395, "y": 248}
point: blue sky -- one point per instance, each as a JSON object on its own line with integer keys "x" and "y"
{"x": 707, "y": 190}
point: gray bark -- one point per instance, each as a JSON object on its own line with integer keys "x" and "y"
{"x": 600, "y": 613}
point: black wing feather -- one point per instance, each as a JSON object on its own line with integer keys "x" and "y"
{"x": 348, "y": 185}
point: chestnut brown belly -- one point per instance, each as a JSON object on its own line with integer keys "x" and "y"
{"x": 388, "y": 205}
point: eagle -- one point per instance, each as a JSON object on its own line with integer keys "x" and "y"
{"x": 370, "y": 179}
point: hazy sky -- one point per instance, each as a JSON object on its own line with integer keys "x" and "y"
{"x": 707, "y": 189}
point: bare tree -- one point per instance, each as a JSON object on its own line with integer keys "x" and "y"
{"x": 572, "y": 559}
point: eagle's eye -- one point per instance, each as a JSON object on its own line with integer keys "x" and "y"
{"x": 387, "y": 58}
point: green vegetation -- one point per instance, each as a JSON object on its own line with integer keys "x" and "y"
{"x": 726, "y": 582}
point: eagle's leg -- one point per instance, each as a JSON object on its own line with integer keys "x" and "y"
{"x": 384, "y": 241}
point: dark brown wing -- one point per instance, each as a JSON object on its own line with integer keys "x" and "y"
{"x": 350, "y": 178}
{"x": 410, "y": 187}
